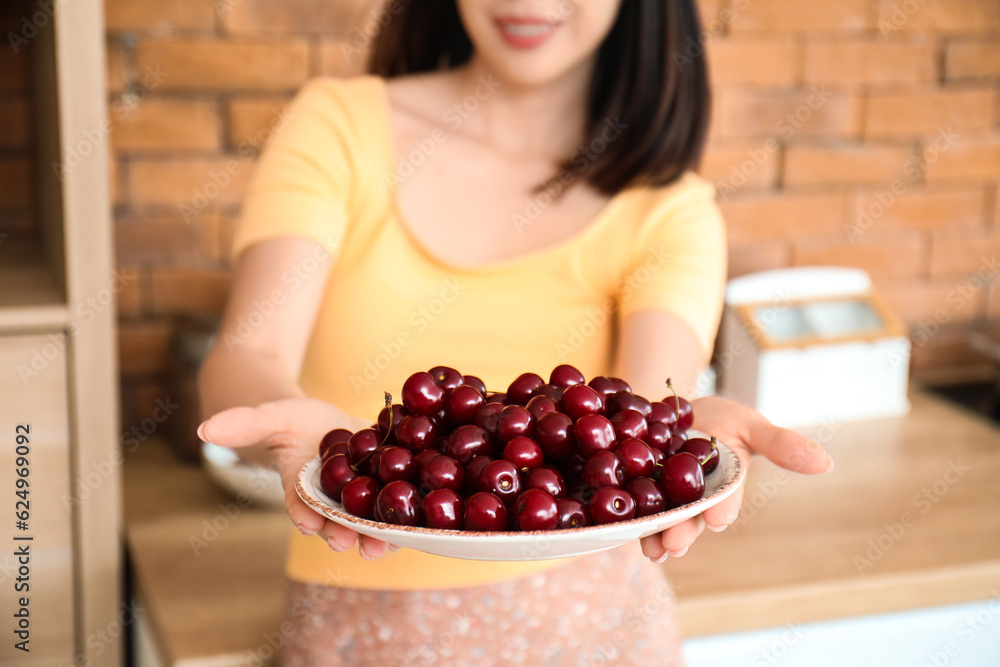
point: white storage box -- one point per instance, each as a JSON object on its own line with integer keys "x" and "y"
{"x": 812, "y": 346}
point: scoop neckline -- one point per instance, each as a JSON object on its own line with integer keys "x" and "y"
{"x": 390, "y": 156}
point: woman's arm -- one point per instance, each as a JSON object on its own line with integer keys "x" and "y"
{"x": 248, "y": 383}
{"x": 657, "y": 345}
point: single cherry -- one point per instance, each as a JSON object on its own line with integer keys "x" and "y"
{"x": 488, "y": 417}
{"x": 445, "y": 377}
{"x": 580, "y": 400}
{"x": 648, "y": 496}
{"x": 706, "y": 451}
{"x": 334, "y": 437}
{"x": 637, "y": 458}
{"x": 682, "y": 479}
{"x": 565, "y": 375}
{"x": 424, "y": 455}
{"x": 441, "y": 472}
{"x": 540, "y": 405}
{"x": 416, "y": 432}
{"x": 629, "y": 423}
{"x": 626, "y": 400}
{"x": 485, "y": 511}
{"x": 359, "y": 496}
{"x": 603, "y": 469}
{"x": 536, "y": 510}
{"x": 676, "y": 442}
{"x": 554, "y": 432}
{"x": 502, "y": 479}
{"x": 523, "y": 388}
{"x": 398, "y": 412}
{"x": 572, "y": 513}
{"x": 497, "y": 397}
{"x": 421, "y": 394}
{"x": 658, "y": 436}
{"x": 475, "y": 383}
{"x": 462, "y": 404}
{"x": 443, "y": 508}
{"x": 550, "y": 391}
{"x": 547, "y": 478}
{"x": 339, "y": 448}
{"x": 396, "y": 463}
{"x": 514, "y": 421}
{"x": 664, "y": 413}
{"x": 472, "y": 472}
{"x": 335, "y": 474}
{"x": 611, "y": 504}
{"x": 363, "y": 443}
{"x": 466, "y": 442}
{"x": 523, "y": 452}
{"x": 398, "y": 503}
{"x": 604, "y": 386}
{"x": 593, "y": 433}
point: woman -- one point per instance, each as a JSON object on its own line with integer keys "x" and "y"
{"x": 514, "y": 190}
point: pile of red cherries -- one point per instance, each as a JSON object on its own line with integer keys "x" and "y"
{"x": 541, "y": 456}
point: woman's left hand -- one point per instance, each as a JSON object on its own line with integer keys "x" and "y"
{"x": 747, "y": 433}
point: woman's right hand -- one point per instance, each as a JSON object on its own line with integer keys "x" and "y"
{"x": 289, "y": 431}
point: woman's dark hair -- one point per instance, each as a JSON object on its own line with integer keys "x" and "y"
{"x": 650, "y": 79}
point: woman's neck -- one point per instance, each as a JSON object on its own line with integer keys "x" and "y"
{"x": 546, "y": 121}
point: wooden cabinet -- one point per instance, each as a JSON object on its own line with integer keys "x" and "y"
{"x": 57, "y": 361}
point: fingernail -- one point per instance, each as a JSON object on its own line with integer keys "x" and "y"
{"x": 305, "y": 530}
{"x": 201, "y": 432}
{"x": 829, "y": 466}
{"x": 678, "y": 554}
{"x": 662, "y": 559}
{"x": 364, "y": 554}
{"x": 336, "y": 547}
{"x": 716, "y": 529}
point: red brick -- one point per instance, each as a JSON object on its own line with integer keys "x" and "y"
{"x": 945, "y": 356}
{"x": 920, "y": 208}
{"x": 972, "y": 159}
{"x": 179, "y": 291}
{"x": 938, "y": 16}
{"x": 944, "y": 300}
{"x": 747, "y": 258}
{"x": 238, "y": 64}
{"x": 972, "y": 59}
{"x": 754, "y": 61}
{"x": 253, "y": 120}
{"x": 856, "y": 61}
{"x": 16, "y": 182}
{"x": 129, "y": 299}
{"x": 158, "y": 15}
{"x": 115, "y": 67}
{"x": 167, "y": 238}
{"x": 804, "y": 16}
{"x": 889, "y": 256}
{"x": 816, "y": 111}
{"x": 928, "y": 111}
{"x": 344, "y": 57}
{"x": 167, "y": 125}
{"x": 227, "y": 229}
{"x": 827, "y": 165}
{"x": 144, "y": 347}
{"x": 742, "y": 165}
{"x": 201, "y": 183}
{"x": 15, "y": 131}
{"x": 783, "y": 215}
{"x": 965, "y": 253}
{"x": 294, "y": 16}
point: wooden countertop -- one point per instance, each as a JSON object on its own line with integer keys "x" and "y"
{"x": 908, "y": 519}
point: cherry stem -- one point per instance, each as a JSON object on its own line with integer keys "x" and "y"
{"x": 677, "y": 402}
{"x": 713, "y": 443}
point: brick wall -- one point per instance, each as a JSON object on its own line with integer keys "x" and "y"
{"x": 859, "y": 132}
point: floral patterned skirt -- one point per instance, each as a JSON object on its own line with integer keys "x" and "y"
{"x": 610, "y": 608}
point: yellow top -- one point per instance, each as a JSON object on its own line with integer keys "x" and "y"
{"x": 392, "y": 308}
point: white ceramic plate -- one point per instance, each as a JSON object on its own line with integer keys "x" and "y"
{"x": 528, "y": 545}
